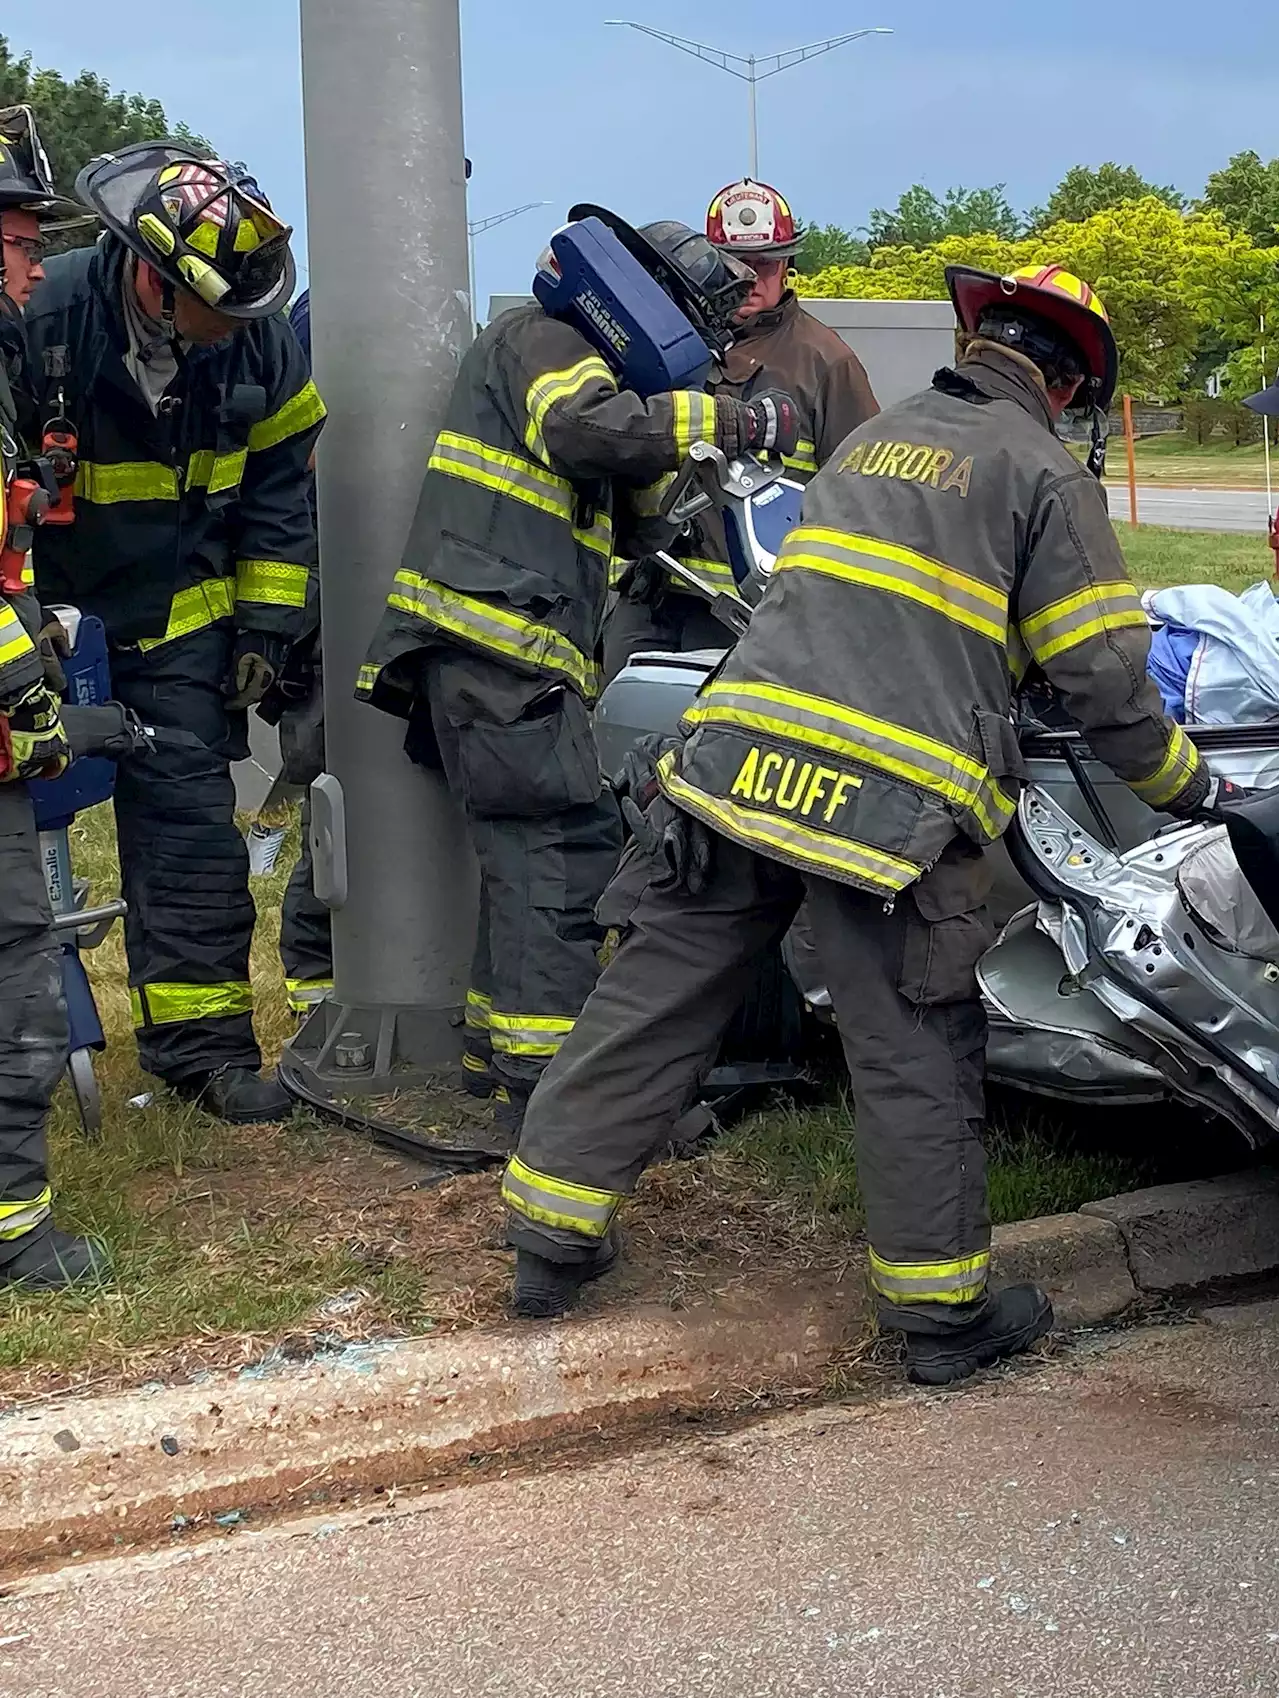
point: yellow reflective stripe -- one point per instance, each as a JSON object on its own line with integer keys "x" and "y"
{"x": 805, "y": 458}
{"x": 617, "y": 567}
{"x": 301, "y": 412}
{"x": 276, "y": 583}
{"x": 816, "y": 722}
{"x": 528, "y": 1034}
{"x": 194, "y": 608}
{"x": 500, "y": 629}
{"x": 874, "y": 564}
{"x": 838, "y": 855}
{"x": 553, "y": 386}
{"x": 214, "y": 472}
{"x": 305, "y": 993}
{"x": 474, "y": 1063}
{"x": 162, "y": 1004}
{"x": 1180, "y": 761}
{"x": 555, "y": 1202}
{"x": 958, "y": 1281}
{"x": 19, "y": 1217}
{"x": 598, "y": 536}
{"x": 478, "y": 1009}
{"x": 366, "y": 678}
{"x": 647, "y": 502}
{"x": 1066, "y": 623}
{"x": 474, "y": 461}
{"x": 694, "y": 419}
{"x": 715, "y": 574}
{"x": 126, "y": 480}
{"x": 14, "y": 639}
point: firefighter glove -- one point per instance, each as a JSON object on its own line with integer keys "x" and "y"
{"x": 1221, "y": 795}
{"x": 256, "y": 661}
{"x": 684, "y": 843}
{"x": 773, "y": 422}
{"x": 636, "y": 780}
{"x": 54, "y": 645}
{"x": 33, "y": 743}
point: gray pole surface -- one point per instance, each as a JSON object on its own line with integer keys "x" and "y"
{"x": 390, "y": 318}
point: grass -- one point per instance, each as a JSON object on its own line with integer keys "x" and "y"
{"x": 1173, "y": 459}
{"x": 1157, "y": 556}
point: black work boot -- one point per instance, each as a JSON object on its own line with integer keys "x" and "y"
{"x": 544, "y": 1289}
{"x": 45, "y": 1259}
{"x": 236, "y": 1095}
{"x": 1010, "y": 1321}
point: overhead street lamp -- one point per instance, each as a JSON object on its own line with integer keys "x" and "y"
{"x": 477, "y": 227}
{"x": 753, "y": 70}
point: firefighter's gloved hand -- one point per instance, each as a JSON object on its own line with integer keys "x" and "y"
{"x": 107, "y": 728}
{"x": 688, "y": 848}
{"x": 636, "y": 780}
{"x": 33, "y": 743}
{"x": 256, "y": 661}
{"x": 773, "y": 422}
{"x": 644, "y": 582}
{"x": 54, "y": 645}
{"x": 1222, "y": 793}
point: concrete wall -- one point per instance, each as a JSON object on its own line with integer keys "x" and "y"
{"x": 901, "y": 343}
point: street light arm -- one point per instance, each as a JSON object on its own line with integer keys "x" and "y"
{"x": 798, "y": 55}
{"x": 478, "y": 226}
{"x": 697, "y": 49}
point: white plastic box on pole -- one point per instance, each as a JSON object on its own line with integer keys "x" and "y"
{"x": 390, "y": 320}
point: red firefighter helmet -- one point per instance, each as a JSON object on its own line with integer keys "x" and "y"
{"x": 752, "y": 221}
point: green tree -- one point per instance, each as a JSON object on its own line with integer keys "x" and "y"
{"x": 81, "y": 118}
{"x": 920, "y": 218}
{"x": 1246, "y": 192}
{"x": 1086, "y": 190}
{"x": 823, "y": 245}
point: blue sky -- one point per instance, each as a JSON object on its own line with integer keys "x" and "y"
{"x": 560, "y": 108}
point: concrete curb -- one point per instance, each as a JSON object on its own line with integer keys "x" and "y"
{"x": 76, "y": 1473}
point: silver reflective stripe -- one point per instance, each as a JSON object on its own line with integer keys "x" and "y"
{"x": 956, "y": 1281}
{"x": 16, "y": 1219}
{"x": 556, "y": 1203}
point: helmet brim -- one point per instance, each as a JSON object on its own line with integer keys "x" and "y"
{"x": 771, "y": 250}
{"x": 972, "y": 292}
{"x": 111, "y": 187}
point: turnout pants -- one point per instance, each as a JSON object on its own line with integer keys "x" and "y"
{"x": 521, "y": 756}
{"x": 184, "y": 866}
{"x": 676, "y": 624}
{"x": 33, "y": 1020}
{"x": 914, "y": 1034}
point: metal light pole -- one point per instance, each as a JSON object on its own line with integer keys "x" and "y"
{"x": 477, "y": 227}
{"x": 751, "y": 72}
{"x": 386, "y": 206}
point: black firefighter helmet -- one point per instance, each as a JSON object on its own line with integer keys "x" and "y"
{"x": 203, "y": 224}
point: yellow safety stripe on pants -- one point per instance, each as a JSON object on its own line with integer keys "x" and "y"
{"x": 301, "y": 412}
{"x": 466, "y": 457}
{"x": 126, "y": 480}
{"x": 163, "y": 1004}
{"x": 959, "y": 1281}
{"x": 305, "y": 993}
{"x": 216, "y": 472}
{"x": 877, "y": 565}
{"x": 543, "y": 393}
{"x": 366, "y": 678}
{"x": 647, "y": 502}
{"x": 194, "y": 608}
{"x": 554, "y": 1202}
{"x": 715, "y": 574}
{"x": 501, "y": 630}
{"x": 695, "y": 419}
{"x": 1067, "y": 623}
{"x": 804, "y": 460}
{"x": 273, "y": 583}
{"x": 18, "y": 1218}
{"x": 479, "y": 1008}
{"x": 15, "y": 641}
{"x": 840, "y": 857}
{"x": 1180, "y": 761}
{"x": 537, "y": 1035}
{"x": 817, "y": 723}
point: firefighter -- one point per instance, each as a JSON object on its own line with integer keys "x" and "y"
{"x": 857, "y": 748}
{"x": 165, "y": 350}
{"x": 33, "y": 1016}
{"x": 777, "y": 345}
{"x": 488, "y": 644}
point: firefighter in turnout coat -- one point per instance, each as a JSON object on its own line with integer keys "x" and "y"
{"x": 857, "y": 748}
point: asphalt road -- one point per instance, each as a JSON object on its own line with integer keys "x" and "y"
{"x": 1102, "y": 1526}
{"x": 1193, "y": 509}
